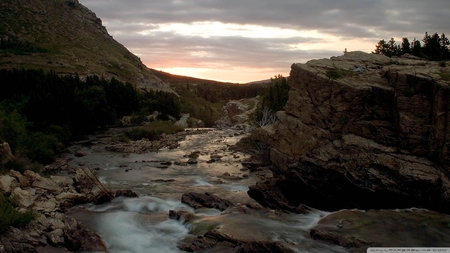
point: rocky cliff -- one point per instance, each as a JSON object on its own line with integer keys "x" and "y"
{"x": 361, "y": 131}
{"x": 65, "y": 36}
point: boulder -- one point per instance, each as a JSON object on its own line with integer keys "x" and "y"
{"x": 360, "y": 131}
{"x": 403, "y": 228}
{"x": 7, "y": 183}
{"x": 207, "y": 200}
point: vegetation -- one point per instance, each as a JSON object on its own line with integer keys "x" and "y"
{"x": 272, "y": 99}
{"x": 41, "y": 112}
{"x": 152, "y": 130}
{"x": 204, "y": 99}
{"x": 9, "y": 216}
{"x": 337, "y": 73}
{"x": 434, "y": 47}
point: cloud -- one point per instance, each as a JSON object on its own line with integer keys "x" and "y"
{"x": 261, "y": 33}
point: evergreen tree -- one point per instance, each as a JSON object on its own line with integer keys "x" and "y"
{"x": 406, "y": 46}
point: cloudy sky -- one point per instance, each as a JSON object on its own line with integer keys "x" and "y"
{"x": 250, "y": 40}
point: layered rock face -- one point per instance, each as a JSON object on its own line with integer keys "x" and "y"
{"x": 361, "y": 131}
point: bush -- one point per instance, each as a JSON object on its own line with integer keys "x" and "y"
{"x": 153, "y": 130}
{"x": 9, "y": 216}
{"x": 338, "y": 73}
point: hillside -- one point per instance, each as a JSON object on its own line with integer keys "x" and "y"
{"x": 65, "y": 36}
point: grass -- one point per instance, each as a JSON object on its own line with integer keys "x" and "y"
{"x": 152, "y": 131}
{"x": 445, "y": 75}
{"x": 9, "y": 216}
{"x": 338, "y": 73}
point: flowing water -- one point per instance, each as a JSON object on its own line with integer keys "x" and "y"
{"x": 139, "y": 225}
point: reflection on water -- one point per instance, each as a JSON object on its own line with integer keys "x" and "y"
{"x": 139, "y": 225}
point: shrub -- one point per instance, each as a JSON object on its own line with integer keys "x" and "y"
{"x": 153, "y": 130}
{"x": 9, "y": 216}
{"x": 338, "y": 73}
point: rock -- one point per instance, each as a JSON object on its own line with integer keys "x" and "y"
{"x": 125, "y": 193}
{"x": 403, "y": 228}
{"x": 257, "y": 247}
{"x": 7, "y": 183}
{"x": 181, "y": 215}
{"x": 198, "y": 200}
{"x": 78, "y": 237}
{"x": 48, "y": 185}
{"x": 86, "y": 182}
{"x": 80, "y": 153}
{"x": 23, "y": 180}
{"x": 6, "y": 153}
{"x": 24, "y": 198}
{"x": 377, "y": 138}
{"x": 213, "y": 241}
{"x": 192, "y": 161}
{"x": 237, "y": 112}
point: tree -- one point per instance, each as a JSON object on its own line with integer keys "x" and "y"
{"x": 381, "y": 48}
{"x": 406, "y": 46}
{"x": 416, "y": 48}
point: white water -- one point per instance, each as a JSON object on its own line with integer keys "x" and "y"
{"x": 141, "y": 225}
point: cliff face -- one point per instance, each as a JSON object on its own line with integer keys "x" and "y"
{"x": 65, "y": 36}
{"x": 361, "y": 131}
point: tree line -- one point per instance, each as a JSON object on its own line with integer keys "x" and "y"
{"x": 40, "y": 113}
{"x": 433, "y": 47}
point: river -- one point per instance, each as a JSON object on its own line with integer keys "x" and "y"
{"x": 139, "y": 225}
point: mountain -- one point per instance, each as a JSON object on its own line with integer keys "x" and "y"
{"x": 65, "y": 36}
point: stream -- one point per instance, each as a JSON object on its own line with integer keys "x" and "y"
{"x": 139, "y": 225}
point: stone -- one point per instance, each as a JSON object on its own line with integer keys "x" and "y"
{"x": 371, "y": 139}
{"x": 198, "y": 200}
{"x": 7, "y": 183}
{"x": 257, "y": 246}
{"x": 355, "y": 229}
{"x": 24, "y": 198}
{"x": 23, "y": 180}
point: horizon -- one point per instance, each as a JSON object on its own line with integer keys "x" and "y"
{"x": 241, "y": 42}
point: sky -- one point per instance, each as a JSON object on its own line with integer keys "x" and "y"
{"x": 250, "y": 40}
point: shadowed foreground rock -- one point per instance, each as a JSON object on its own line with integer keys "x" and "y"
{"x": 361, "y": 131}
{"x": 384, "y": 228}
{"x": 214, "y": 241}
{"x": 198, "y": 200}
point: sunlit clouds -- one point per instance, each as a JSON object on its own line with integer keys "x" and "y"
{"x": 243, "y": 41}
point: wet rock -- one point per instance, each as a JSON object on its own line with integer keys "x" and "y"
{"x": 163, "y": 180}
{"x": 125, "y": 193}
{"x": 257, "y": 247}
{"x": 181, "y": 215}
{"x": 198, "y": 200}
{"x": 79, "y": 238}
{"x": 181, "y": 163}
{"x": 162, "y": 167}
{"x": 403, "y": 228}
{"x": 167, "y": 163}
{"x": 86, "y": 182}
{"x": 79, "y": 153}
{"x": 192, "y": 161}
{"x": 213, "y": 241}
{"x": 228, "y": 176}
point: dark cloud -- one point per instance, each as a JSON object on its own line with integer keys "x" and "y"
{"x": 135, "y": 24}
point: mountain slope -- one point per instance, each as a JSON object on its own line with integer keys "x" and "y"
{"x": 67, "y": 37}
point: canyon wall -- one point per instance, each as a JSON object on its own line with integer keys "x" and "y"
{"x": 361, "y": 131}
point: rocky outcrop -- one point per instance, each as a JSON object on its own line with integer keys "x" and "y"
{"x": 237, "y": 112}
{"x": 207, "y": 200}
{"x": 49, "y": 197}
{"x": 403, "y": 228}
{"x": 361, "y": 131}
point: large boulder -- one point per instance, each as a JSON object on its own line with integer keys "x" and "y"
{"x": 361, "y": 131}
{"x": 207, "y": 200}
